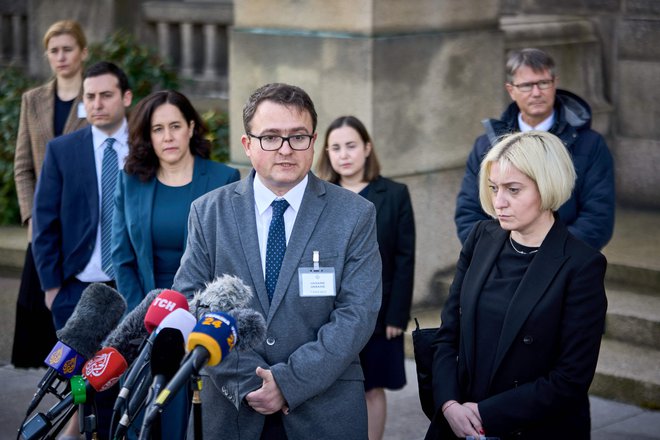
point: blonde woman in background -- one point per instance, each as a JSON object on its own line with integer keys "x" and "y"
{"x": 47, "y": 111}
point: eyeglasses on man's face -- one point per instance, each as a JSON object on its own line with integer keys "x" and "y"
{"x": 272, "y": 142}
{"x": 544, "y": 84}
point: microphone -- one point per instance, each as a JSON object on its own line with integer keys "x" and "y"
{"x": 163, "y": 305}
{"x": 181, "y": 321}
{"x": 225, "y": 293}
{"x": 166, "y": 354}
{"x": 211, "y": 340}
{"x": 160, "y": 306}
{"x": 251, "y": 327}
{"x": 98, "y": 311}
{"x": 131, "y": 331}
{"x": 230, "y": 294}
{"x": 101, "y": 372}
{"x": 104, "y": 369}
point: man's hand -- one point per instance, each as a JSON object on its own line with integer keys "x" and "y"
{"x": 268, "y": 399}
{"x": 50, "y": 296}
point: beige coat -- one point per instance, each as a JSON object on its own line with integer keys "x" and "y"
{"x": 35, "y": 129}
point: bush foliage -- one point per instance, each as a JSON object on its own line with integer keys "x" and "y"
{"x": 146, "y": 71}
{"x": 13, "y": 83}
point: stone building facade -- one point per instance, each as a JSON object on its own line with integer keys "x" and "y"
{"x": 422, "y": 74}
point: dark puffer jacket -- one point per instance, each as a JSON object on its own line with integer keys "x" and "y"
{"x": 589, "y": 213}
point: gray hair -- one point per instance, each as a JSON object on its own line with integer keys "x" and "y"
{"x": 535, "y": 59}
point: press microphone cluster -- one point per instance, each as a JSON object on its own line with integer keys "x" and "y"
{"x": 100, "y": 373}
{"x": 98, "y": 311}
{"x": 159, "y": 309}
{"x": 211, "y": 340}
{"x": 224, "y": 324}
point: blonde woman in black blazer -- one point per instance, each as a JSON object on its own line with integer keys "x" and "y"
{"x": 349, "y": 160}
{"x": 521, "y": 328}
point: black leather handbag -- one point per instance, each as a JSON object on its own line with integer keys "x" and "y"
{"x": 423, "y": 351}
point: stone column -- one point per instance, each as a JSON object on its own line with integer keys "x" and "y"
{"x": 413, "y": 71}
{"x": 210, "y": 50}
{"x": 637, "y": 93}
{"x": 164, "y": 36}
{"x": 187, "y": 49}
{"x": 17, "y": 36}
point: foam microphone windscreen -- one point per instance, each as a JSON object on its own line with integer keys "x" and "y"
{"x": 223, "y": 294}
{"x": 104, "y": 369}
{"x": 251, "y": 328}
{"x": 217, "y": 333}
{"x": 163, "y": 305}
{"x": 167, "y": 352}
{"x": 131, "y": 331}
{"x": 98, "y": 311}
{"x": 181, "y": 320}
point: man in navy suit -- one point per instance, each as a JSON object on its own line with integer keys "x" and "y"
{"x": 68, "y": 205}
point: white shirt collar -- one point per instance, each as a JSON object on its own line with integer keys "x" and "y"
{"x": 263, "y": 197}
{"x": 120, "y": 136}
{"x": 545, "y": 125}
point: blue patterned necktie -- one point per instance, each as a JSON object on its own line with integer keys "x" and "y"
{"x": 276, "y": 246}
{"x": 109, "y": 171}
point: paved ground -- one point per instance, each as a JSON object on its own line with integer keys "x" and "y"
{"x": 611, "y": 420}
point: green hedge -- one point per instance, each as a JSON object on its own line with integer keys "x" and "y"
{"x": 146, "y": 72}
{"x": 13, "y": 83}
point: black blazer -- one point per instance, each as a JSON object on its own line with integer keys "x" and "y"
{"x": 548, "y": 347}
{"x": 395, "y": 225}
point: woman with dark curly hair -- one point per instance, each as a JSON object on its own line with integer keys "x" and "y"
{"x": 166, "y": 169}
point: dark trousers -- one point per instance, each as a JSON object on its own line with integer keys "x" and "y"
{"x": 273, "y": 428}
{"x": 67, "y": 298}
{"x": 34, "y": 333}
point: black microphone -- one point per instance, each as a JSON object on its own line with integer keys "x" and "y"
{"x": 130, "y": 333}
{"x": 166, "y": 355}
{"x": 210, "y": 342}
{"x": 179, "y": 321}
{"x": 225, "y": 293}
{"x": 98, "y": 311}
{"x": 148, "y": 314}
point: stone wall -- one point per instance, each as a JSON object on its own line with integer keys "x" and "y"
{"x": 627, "y": 33}
{"x": 407, "y": 69}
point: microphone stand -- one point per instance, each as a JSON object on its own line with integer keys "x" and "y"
{"x": 196, "y": 385}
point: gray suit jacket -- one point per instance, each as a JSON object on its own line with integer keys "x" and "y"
{"x": 313, "y": 342}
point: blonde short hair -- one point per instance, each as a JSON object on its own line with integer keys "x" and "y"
{"x": 66, "y": 27}
{"x": 539, "y": 155}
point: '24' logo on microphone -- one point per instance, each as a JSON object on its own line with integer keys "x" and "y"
{"x": 218, "y": 321}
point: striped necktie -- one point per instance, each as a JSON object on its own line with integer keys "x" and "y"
{"x": 109, "y": 171}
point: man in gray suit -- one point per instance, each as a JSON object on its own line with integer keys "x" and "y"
{"x": 305, "y": 380}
